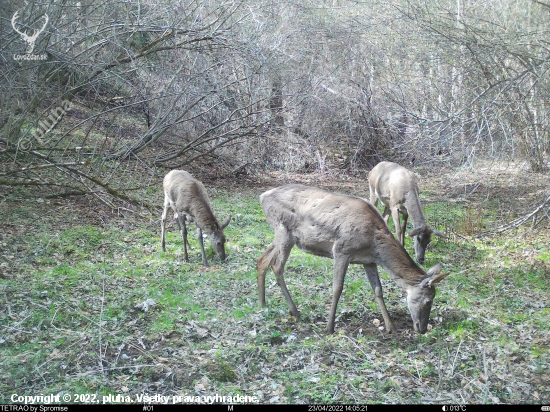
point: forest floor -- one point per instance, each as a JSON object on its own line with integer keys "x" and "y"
{"x": 72, "y": 274}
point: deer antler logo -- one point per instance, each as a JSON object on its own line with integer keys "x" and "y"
{"x": 29, "y": 39}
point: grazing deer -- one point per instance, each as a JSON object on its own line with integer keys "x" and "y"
{"x": 188, "y": 199}
{"x": 349, "y": 230}
{"x": 396, "y": 188}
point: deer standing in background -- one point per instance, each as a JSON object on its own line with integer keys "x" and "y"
{"x": 188, "y": 199}
{"x": 396, "y": 188}
{"x": 349, "y": 230}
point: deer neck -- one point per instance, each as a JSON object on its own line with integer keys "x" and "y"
{"x": 207, "y": 222}
{"x": 201, "y": 213}
{"x": 414, "y": 210}
{"x": 398, "y": 264}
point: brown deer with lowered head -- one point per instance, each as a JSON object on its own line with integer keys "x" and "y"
{"x": 396, "y": 188}
{"x": 349, "y": 230}
{"x": 188, "y": 199}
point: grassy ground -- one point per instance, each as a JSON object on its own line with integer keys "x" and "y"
{"x": 73, "y": 273}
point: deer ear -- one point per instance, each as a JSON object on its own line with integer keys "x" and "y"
{"x": 438, "y": 278}
{"x": 224, "y": 224}
{"x": 434, "y": 270}
{"x": 440, "y": 234}
{"x": 416, "y": 232}
{"x": 433, "y": 276}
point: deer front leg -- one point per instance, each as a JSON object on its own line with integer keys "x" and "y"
{"x": 262, "y": 264}
{"x": 340, "y": 268}
{"x": 201, "y": 243}
{"x": 404, "y": 229}
{"x": 386, "y": 214}
{"x": 181, "y": 222}
{"x": 179, "y": 225}
{"x": 395, "y": 217}
{"x": 374, "y": 279}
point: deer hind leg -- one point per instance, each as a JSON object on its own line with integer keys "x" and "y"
{"x": 163, "y": 223}
{"x": 374, "y": 279}
{"x": 278, "y": 265}
{"x": 340, "y": 267}
{"x": 201, "y": 243}
{"x": 181, "y": 222}
{"x": 373, "y": 197}
{"x": 276, "y": 256}
{"x": 262, "y": 264}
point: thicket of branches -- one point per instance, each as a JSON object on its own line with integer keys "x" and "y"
{"x": 296, "y": 84}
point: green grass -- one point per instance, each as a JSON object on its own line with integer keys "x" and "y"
{"x": 69, "y": 320}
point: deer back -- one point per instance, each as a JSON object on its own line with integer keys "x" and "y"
{"x": 392, "y": 183}
{"x": 318, "y": 221}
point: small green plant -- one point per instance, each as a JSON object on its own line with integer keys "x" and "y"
{"x": 470, "y": 223}
{"x": 221, "y": 371}
{"x": 276, "y": 337}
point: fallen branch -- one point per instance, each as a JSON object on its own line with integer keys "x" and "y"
{"x": 24, "y": 169}
{"x": 516, "y": 222}
{"x": 66, "y": 194}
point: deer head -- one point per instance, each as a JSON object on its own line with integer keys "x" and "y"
{"x": 420, "y": 298}
{"x": 217, "y": 238}
{"x": 422, "y": 236}
{"x": 29, "y": 39}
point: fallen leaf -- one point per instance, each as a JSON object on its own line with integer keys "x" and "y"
{"x": 144, "y": 306}
{"x": 201, "y": 331}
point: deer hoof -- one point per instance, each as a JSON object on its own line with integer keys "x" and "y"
{"x": 390, "y": 329}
